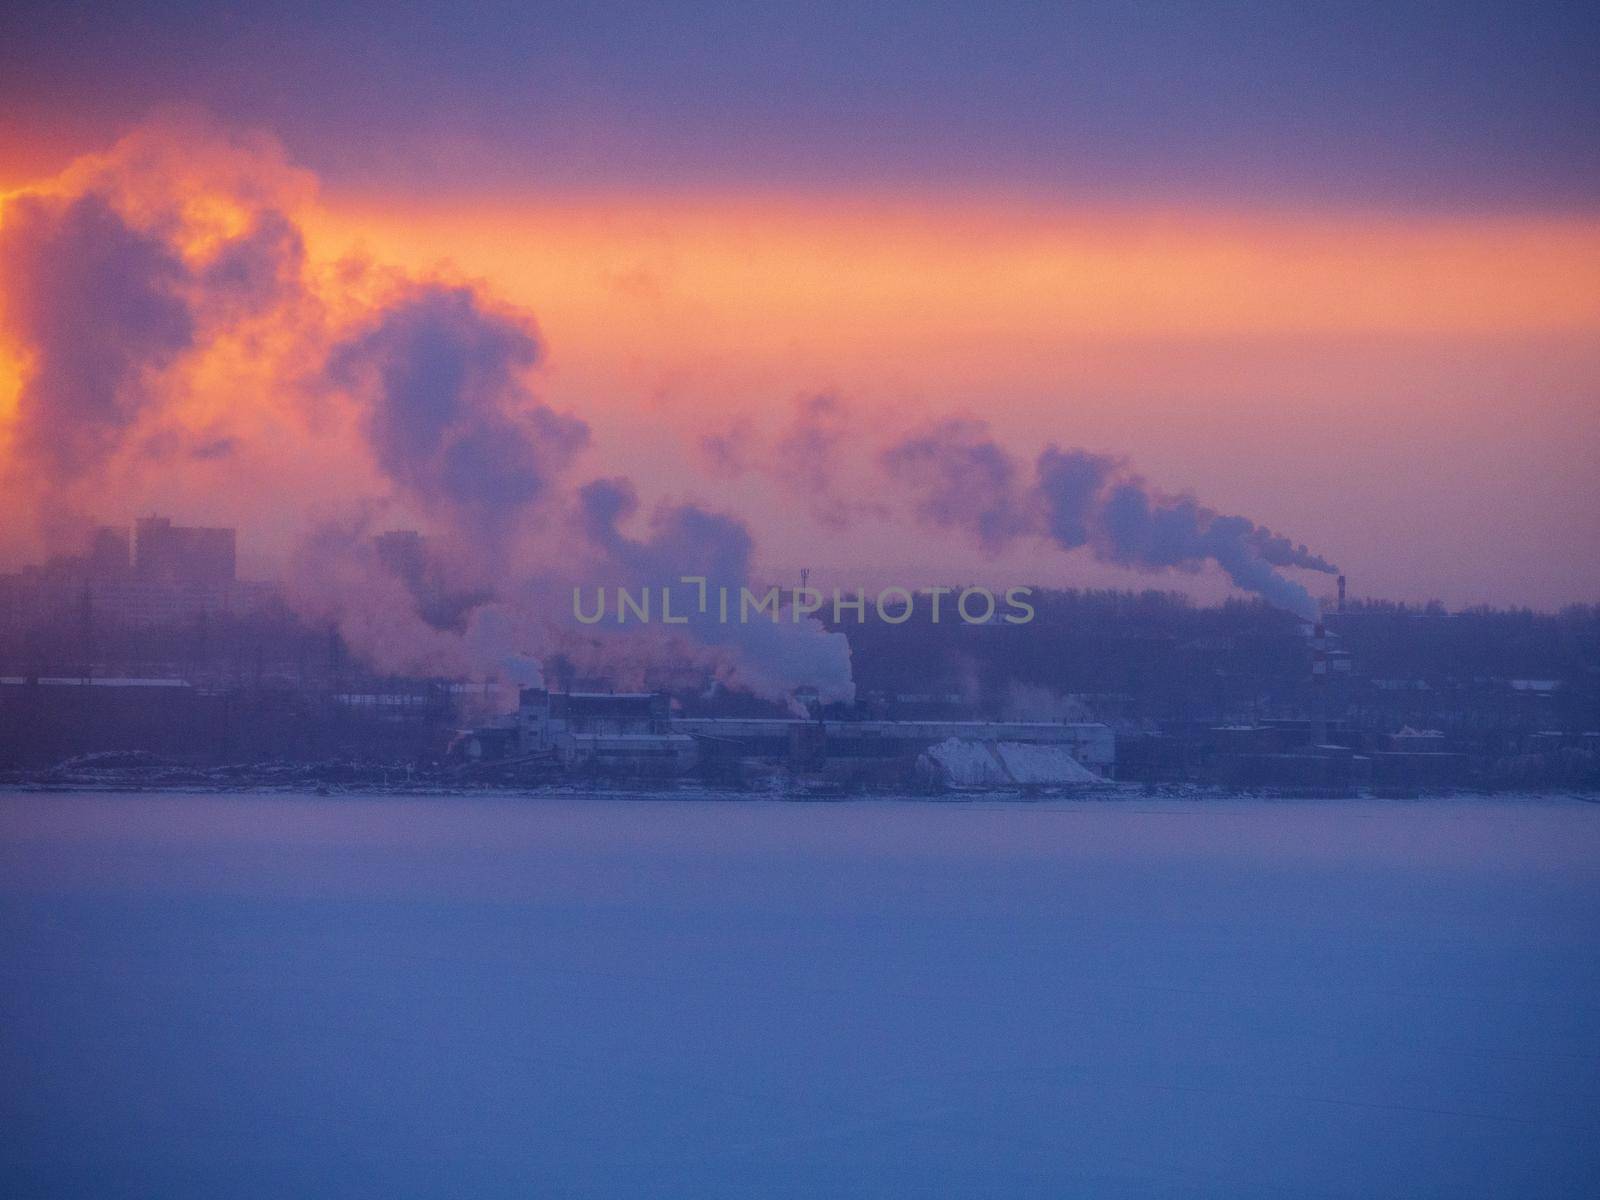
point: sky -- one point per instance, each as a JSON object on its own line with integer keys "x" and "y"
{"x": 1443, "y": 106}
{"x": 1333, "y": 267}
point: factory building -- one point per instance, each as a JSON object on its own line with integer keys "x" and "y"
{"x": 635, "y": 733}
{"x": 625, "y": 733}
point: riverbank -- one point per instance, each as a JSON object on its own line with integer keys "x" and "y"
{"x": 134, "y": 773}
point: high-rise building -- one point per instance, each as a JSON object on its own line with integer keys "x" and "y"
{"x": 183, "y": 554}
{"x": 109, "y": 554}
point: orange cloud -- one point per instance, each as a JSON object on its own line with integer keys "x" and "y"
{"x": 856, "y": 273}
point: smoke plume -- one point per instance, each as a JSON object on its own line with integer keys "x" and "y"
{"x": 960, "y": 478}
{"x": 439, "y": 375}
{"x": 100, "y": 307}
{"x": 760, "y": 655}
{"x": 808, "y": 458}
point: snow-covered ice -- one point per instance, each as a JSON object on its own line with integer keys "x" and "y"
{"x": 277, "y": 996}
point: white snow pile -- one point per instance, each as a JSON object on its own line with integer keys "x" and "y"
{"x": 959, "y": 762}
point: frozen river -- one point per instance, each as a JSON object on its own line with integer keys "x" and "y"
{"x": 271, "y": 996}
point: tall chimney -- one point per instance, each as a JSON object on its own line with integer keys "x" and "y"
{"x": 1319, "y": 686}
{"x": 1341, "y": 593}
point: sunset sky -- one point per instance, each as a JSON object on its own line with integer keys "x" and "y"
{"x": 1335, "y": 268}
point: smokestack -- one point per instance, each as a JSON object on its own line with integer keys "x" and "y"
{"x": 1319, "y": 680}
{"x": 1341, "y": 593}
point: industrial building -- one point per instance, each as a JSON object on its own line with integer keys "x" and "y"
{"x": 636, "y": 734}
{"x": 626, "y": 733}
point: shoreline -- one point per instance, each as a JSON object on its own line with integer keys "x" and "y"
{"x": 791, "y": 791}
